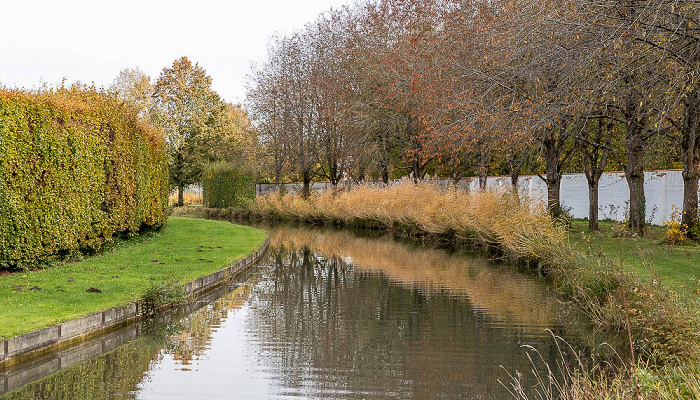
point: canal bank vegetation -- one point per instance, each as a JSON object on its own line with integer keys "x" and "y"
{"x": 185, "y": 250}
{"x": 652, "y": 257}
{"x": 664, "y": 326}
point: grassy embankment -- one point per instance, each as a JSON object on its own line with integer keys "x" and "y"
{"x": 650, "y": 257}
{"x": 185, "y": 250}
{"x": 664, "y": 323}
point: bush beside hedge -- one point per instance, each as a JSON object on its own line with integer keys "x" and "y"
{"x": 77, "y": 168}
{"x": 226, "y": 185}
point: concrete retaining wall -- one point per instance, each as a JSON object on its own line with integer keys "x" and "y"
{"x": 42, "y": 339}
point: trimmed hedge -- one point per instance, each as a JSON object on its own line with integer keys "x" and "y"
{"x": 77, "y": 168}
{"x": 226, "y": 185}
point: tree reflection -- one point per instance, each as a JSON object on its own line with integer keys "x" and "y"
{"x": 331, "y": 329}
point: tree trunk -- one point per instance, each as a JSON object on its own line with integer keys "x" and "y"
{"x": 690, "y": 197}
{"x": 334, "y": 173}
{"x": 690, "y": 144}
{"x": 635, "y": 180}
{"x": 594, "y": 158}
{"x": 416, "y": 169}
{"x": 306, "y": 188}
{"x": 456, "y": 177}
{"x": 553, "y": 194}
{"x": 635, "y": 142}
{"x": 593, "y": 204}
{"x": 385, "y": 174}
{"x": 180, "y": 196}
{"x": 361, "y": 174}
{"x": 553, "y": 172}
{"x": 482, "y": 180}
{"x": 483, "y": 168}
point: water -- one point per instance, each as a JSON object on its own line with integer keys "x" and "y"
{"x": 330, "y": 315}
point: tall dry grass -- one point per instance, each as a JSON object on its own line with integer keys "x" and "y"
{"x": 497, "y": 220}
{"x": 188, "y": 199}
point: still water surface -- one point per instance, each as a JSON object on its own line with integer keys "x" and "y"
{"x": 332, "y": 315}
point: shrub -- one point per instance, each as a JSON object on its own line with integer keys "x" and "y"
{"x": 676, "y": 231}
{"x": 227, "y": 185}
{"x": 77, "y": 168}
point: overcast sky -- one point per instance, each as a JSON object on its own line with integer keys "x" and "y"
{"x": 43, "y": 41}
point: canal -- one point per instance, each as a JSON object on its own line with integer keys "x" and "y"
{"x": 328, "y": 314}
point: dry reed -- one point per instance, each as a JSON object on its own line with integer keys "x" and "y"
{"x": 496, "y": 220}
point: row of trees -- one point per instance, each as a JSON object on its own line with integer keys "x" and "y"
{"x": 200, "y": 127}
{"x": 452, "y": 87}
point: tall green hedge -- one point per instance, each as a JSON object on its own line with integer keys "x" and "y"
{"x": 226, "y": 185}
{"x": 77, "y": 168}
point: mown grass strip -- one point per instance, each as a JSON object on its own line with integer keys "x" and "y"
{"x": 185, "y": 250}
{"x": 650, "y": 257}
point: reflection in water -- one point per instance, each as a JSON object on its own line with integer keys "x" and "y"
{"x": 503, "y": 293}
{"x": 333, "y": 315}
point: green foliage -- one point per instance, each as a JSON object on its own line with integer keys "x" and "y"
{"x": 227, "y": 185}
{"x": 186, "y": 248}
{"x": 77, "y": 168}
{"x": 185, "y": 108}
{"x": 160, "y": 293}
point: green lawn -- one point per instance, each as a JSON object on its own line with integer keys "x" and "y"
{"x": 678, "y": 267}
{"x": 185, "y": 250}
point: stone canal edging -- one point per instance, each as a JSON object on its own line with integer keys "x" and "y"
{"x": 42, "y": 339}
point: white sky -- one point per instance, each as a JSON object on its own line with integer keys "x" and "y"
{"x": 43, "y": 41}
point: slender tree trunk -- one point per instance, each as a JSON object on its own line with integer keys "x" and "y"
{"x": 180, "y": 195}
{"x": 416, "y": 169}
{"x": 514, "y": 175}
{"x": 594, "y": 159}
{"x": 690, "y": 196}
{"x": 385, "y": 173}
{"x": 483, "y": 168}
{"x": 514, "y": 167}
{"x": 306, "y": 188}
{"x": 334, "y": 175}
{"x": 456, "y": 177}
{"x": 635, "y": 180}
{"x": 361, "y": 174}
{"x": 690, "y": 144}
{"x": 553, "y": 172}
{"x": 593, "y": 204}
{"x": 553, "y": 194}
{"x": 634, "y": 172}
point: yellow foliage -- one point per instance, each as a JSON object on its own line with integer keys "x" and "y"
{"x": 676, "y": 232}
{"x": 189, "y": 198}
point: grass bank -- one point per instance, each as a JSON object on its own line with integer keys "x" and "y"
{"x": 665, "y": 328}
{"x": 650, "y": 257}
{"x": 185, "y": 250}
